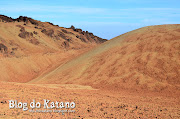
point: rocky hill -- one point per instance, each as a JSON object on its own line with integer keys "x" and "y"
{"x": 29, "y": 48}
{"x": 25, "y": 35}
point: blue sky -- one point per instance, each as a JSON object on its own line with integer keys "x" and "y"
{"x": 104, "y": 18}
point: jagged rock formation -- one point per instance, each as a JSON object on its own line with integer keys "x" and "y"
{"x": 90, "y": 36}
{"x": 44, "y": 35}
{"x": 20, "y": 19}
{"x": 4, "y": 18}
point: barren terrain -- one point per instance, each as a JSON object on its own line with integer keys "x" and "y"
{"x": 143, "y": 59}
{"x": 134, "y": 75}
{"x": 90, "y": 103}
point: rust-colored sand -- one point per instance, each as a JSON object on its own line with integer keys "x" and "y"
{"x": 90, "y": 104}
{"x": 144, "y": 59}
{"x": 135, "y": 75}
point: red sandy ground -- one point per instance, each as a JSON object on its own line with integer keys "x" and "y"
{"x": 141, "y": 69}
{"x": 90, "y": 103}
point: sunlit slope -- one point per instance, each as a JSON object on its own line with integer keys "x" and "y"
{"x": 147, "y": 58}
{"x": 23, "y": 38}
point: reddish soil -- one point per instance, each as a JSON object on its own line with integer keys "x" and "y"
{"x": 90, "y": 103}
{"x": 135, "y": 75}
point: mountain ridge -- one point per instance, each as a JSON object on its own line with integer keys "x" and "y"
{"x": 35, "y": 32}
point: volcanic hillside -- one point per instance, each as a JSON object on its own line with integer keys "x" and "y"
{"x": 147, "y": 58}
{"x": 29, "y": 47}
{"x": 25, "y": 36}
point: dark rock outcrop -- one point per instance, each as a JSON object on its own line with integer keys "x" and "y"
{"x": 87, "y": 35}
{"x": 3, "y": 48}
{"x": 64, "y": 31}
{"x": 82, "y": 38}
{"x": 26, "y": 20}
{"x": 20, "y": 19}
{"x": 24, "y": 34}
{"x": 28, "y": 35}
{"x": 63, "y": 34}
{"x": 35, "y": 32}
{"x": 49, "y": 33}
{"x": 65, "y": 44}
{"x": 72, "y": 27}
{"x": 68, "y": 39}
{"x": 6, "y": 19}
